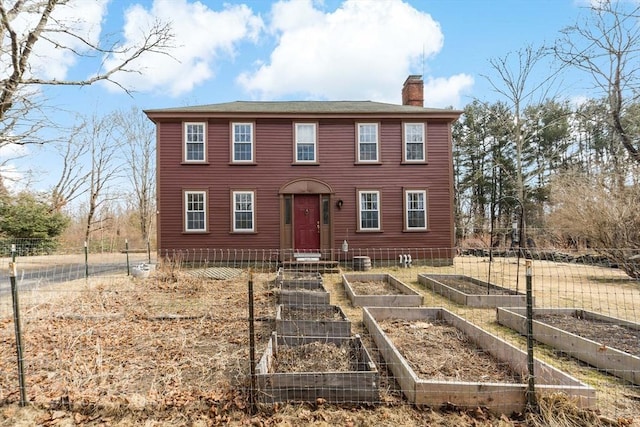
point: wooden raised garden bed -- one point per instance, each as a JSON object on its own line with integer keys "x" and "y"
{"x": 379, "y": 290}
{"x": 297, "y": 279}
{"x": 337, "y": 369}
{"x": 607, "y": 343}
{"x": 472, "y": 292}
{"x": 447, "y": 383}
{"x": 304, "y": 293}
{"x": 312, "y": 320}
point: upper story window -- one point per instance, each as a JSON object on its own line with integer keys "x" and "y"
{"x": 195, "y": 211}
{"x": 242, "y": 142}
{"x": 368, "y": 143}
{"x": 305, "y": 141}
{"x": 415, "y": 215}
{"x": 195, "y": 142}
{"x": 243, "y": 211}
{"x": 369, "y": 211}
{"x": 414, "y": 146}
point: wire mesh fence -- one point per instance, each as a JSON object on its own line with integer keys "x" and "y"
{"x": 233, "y": 330}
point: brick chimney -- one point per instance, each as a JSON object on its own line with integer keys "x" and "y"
{"x": 413, "y": 91}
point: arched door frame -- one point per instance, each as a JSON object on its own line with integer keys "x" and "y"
{"x": 287, "y": 194}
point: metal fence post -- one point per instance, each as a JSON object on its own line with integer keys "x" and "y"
{"x": 252, "y": 346}
{"x": 18, "y": 329}
{"x": 86, "y": 260}
{"x": 126, "y": 250}
{"x": 531, "y": 392}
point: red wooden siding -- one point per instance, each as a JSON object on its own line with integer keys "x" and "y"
{"x": 273, "y": 168}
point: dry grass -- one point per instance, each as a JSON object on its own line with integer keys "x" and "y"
{"x": 314, "y": 357}
{"x": 557, "y": 410}
{"x": 373, "y": 287}
{"x": 441, "y": 352}
{"x": 174, "y": 350}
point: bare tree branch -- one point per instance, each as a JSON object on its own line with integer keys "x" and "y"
{"x": 607, "y": 48}
{"x": 514, "y": 84}
{"x": 20, "y": 43}
{"x": 97, "y": 140}
{"x": 138, "y": 138}
{"x": 20, "y": 53}
{"x": 154, "y": 42}
{"x": 73, "y": 178}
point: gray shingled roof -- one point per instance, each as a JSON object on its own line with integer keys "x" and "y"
{"x": 301, "y": 107}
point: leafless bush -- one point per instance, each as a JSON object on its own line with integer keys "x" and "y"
{"x": 602, "y": 212}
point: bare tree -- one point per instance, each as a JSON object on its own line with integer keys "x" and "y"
{"x": 104, "y": 149}
{"x": 606, "y": 46}
{"x": 138, "y": 140}
{"x": 73, "y": 177}
{"x": 514, "y": 83}
{"x": 27, "y": 24}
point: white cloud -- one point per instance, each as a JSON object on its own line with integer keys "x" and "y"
{"x": 292, "y": 16}
{"x": 447, "y": 92}
{"x": 577, "y": 101}
{"x": 201, "y": 35}
{"x": 12, "y": 151}
{"x": 12, "y": 177}
{"x": 362, "y": 50}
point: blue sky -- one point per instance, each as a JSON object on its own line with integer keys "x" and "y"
{"x": 295, "y": 50}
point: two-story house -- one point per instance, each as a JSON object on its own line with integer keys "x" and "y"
{"x": 300, "y": 176}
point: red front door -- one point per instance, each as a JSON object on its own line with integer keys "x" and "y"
{"x": 306, "y": 220}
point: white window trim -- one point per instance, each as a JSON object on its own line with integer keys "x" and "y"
{"x": 360, "y": 193}
{"x": 253, "y": 212}
{"x": 315, "y": 143}
{"x": 233, "y": 142}
{"x": 186, "y": 211}
{"x": 204, "y": 142}
{"x": 406, "y": 210}
{"x": 377, "y": 159}
{"x": 424, "y": 143}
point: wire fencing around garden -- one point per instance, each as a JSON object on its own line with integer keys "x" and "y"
{"x": 98, "y": 330}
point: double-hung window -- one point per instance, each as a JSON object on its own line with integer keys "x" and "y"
{"x": 306, "y": 146}
{"x": 195, "y": 147}
{"x": 415, "y": 210}
{"x": 369, "y": 211}
{"x": 195, "y": 211}
{"x": 368, "y": 143}
{"x": 243, "y": 211}
{"x": 414, "y": 146}
{"x": 242, "y": 142}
